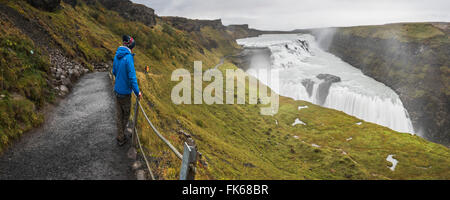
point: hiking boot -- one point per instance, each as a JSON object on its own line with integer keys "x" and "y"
{"x": 122, "y": 141}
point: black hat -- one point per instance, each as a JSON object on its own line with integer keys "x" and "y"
{"x": 128, "y": 41}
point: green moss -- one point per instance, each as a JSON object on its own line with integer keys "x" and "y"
{"x": 404, "y": 32}
{"x": 234, "y": 136}
{"x": 23, "y": 72}
{"x": 17, "y": 116}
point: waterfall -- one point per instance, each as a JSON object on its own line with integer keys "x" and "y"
{"x": 311, "y": 74}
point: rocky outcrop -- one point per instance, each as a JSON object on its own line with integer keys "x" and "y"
{"x": 103, "y": 67}
{"x": 236, "y": 27}
{"x": 131, "y": 11}
{"x": 417, "y": 69}
{"x": 324, "y": 87}
{"x": 190, "y": 25}
{"x": 309, "y": 86}
{"x": 73, "y": 3}
{"x": 47, "y": 5}
{"x": 64, "y": 72}
{"x": 329, "y": 78}
{"x": 304, "y": 45}
{"x": 244, "y": 58}
{"x": 242, "y": 31}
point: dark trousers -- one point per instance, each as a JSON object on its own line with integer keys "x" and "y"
{"x": 123, "y": 114}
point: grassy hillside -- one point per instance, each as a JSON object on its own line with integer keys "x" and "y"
{"x": 239, "y": 143}
{"x": 235, "y": 140}
{"x": 23, "y": 85}
{"x": 404, "y": 32}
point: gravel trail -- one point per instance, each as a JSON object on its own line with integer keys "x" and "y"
{"x": 77, "y": 140}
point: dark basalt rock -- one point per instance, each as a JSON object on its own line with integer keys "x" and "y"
{"x": 243, "y": 59}
{"x": 131, "y": 11}
{"x": 309, "y": 85}
{"x": 329, "y": 78}
{"x": 73, "y": 3}
{"x": 193, "y": 24}
{"x": 47, "y": 5}
{"x": 418, "y": 77}
{"x": 242, "y": 31}
{"x": 304, "y": 45}
{"x": 324, "y": 87}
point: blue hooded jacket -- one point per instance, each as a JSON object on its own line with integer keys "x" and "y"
{"x": 123, "y": 70}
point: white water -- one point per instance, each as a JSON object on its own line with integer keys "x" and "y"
{"x": 298, "y": 57}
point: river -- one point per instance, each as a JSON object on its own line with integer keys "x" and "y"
{"x": 306, "y": 72}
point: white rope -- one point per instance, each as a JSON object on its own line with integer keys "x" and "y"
{"x": 178, "y": 154}
{"x": 143, "y": 155}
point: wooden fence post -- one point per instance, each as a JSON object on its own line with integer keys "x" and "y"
{"x": 189, "y": 162}
{"x": 136, "y": 111}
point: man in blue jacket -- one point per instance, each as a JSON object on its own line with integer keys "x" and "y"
{"x": 126, "y": 82}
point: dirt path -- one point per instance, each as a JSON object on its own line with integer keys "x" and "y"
{"x": 76, "y": 142}
{"x": 30, "y": 28}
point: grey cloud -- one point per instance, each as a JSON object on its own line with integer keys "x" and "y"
{"x": 293, "y": 14}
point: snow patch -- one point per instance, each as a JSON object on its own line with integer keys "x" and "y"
{"x": 350, "y": 138}
{"x": 315, "y": 145}
{"x": 296, "y": 137}
{"x": 276, "y": 122}
{"x": 302, "y": 107}
{"x": 297, "y": 121}
{"x": 359, "y": 123}
{"x": 393, "y": 161}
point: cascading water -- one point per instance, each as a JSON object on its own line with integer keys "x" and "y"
{"x": 311, "y": 74}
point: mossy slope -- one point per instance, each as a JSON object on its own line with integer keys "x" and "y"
{"x": 23, "y": 85}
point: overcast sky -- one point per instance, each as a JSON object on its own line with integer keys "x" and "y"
{"x": 293, "y": 14}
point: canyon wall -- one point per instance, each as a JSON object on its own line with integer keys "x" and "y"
{"x": 412, "y": 59}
